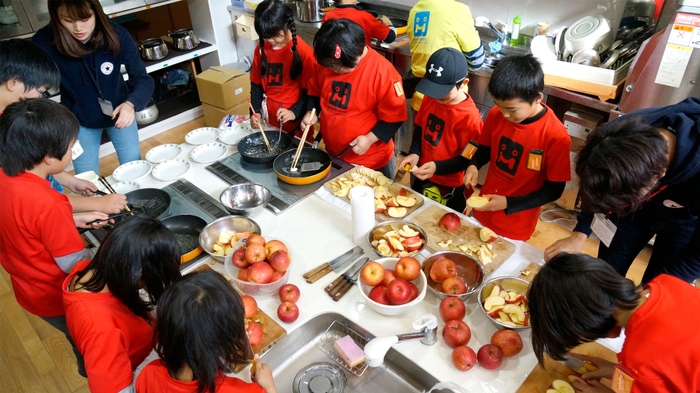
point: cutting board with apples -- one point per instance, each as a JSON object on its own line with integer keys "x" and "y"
{"x": 466, "y": 233}
{"x": 404, "y": 200}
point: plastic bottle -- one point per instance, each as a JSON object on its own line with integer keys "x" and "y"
{"x": 515, "y": 33}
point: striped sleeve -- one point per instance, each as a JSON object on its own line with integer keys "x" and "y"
{"x": 475, "y": 58}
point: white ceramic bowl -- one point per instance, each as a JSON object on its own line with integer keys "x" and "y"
{"x": 421, "y": 283}
{"x": 251, "y": 288}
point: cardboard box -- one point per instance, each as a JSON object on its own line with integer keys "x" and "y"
{"x": 213, "y": 115}
{"x": 245, "y": 27}
{"x": 223, "y": 87}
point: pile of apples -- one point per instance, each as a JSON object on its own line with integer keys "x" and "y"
{"x": 444, "y": 272}
{"x": 508, "y": 307}
{"x": 289, "y": 295}
{"x": 392, "y": 287}
{"x": 260, "y": 261}
{"x": 401, "y": 243}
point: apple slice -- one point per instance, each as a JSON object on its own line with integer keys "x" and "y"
{"x": 445, "y": 243}
{"x": 590, "y": 366}
{"x": 379, "y": 206}
{"x": 562, "y": 386}
{"x": 380, "y": 192}
{"x": 391, "y": 202}
{"x": 414, "y": 246}
{"x": 503, "y": 293}
{"x": 495, "y": 291}
{"x": 493, "y": 302}
{"x": 407, "y": 231}
{"x": 514, "y": 312}
{"x": 391, "y": 234}
{"x": 573, "y": 378}
{"x": 343, "y": 192}
{"x": 406, "y": 201}
{"x": 512, "y": 298}
{"x": 397, "y": 212}
{"x": 384, "y": 249}
{"x": 551, "y": 391}
{"x": 487, "y": 235}
{"x": 495, "y": 313}
{"x": 582, "y": 370}
{"x": 402, "y": 192}
{"x": 396, "y": 245}
{"x": 226, "y": 236}
{"x": 477, "y": 201}
{"x": 503, "y": 317}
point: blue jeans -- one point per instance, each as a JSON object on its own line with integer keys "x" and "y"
{"x": 60, "y": 324}
{"x": 125, "y": 140}
{"x": 389, "y": 170}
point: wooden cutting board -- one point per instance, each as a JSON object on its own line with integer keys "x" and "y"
{"x": 393, "y": 189}
{"x": 540, "y": 379}
{"x": 466, "y": 233}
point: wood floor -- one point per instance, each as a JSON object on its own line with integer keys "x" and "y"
{"x": 34, "y": 357}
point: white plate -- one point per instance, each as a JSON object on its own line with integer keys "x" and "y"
{"x": 132, "y": 171}
{"x": 231, "y": 136}
{"x": 163, "y": 152}
{"x": 210, "y": 152}
{"x": 171, "y": 169}
{"x": 125, "y": 186}
{"x": 202, "y": 135}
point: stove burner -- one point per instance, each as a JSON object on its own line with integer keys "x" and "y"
{"x": 320, "y": 377}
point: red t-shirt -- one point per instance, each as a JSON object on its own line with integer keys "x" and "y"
{"x": 515, "y": 148}
{"x": 372, "y": 27}
{"x": 277, "y": 83}
{"x": 447, "y": 129}
{"x": 662, "y": 346}
{"x": 353, "y": 103}
{"x": 36, "y": 226}
{"x": 112, "y": 339}
{"x": 154, "y": 378}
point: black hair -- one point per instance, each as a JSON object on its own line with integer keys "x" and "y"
{"x": 139, "y": 253}
{"x": 32, "y": 129}
{"x": 200, "y": 322}
{"x": 271, "y": 18}
{"x": 342, "y": 34}
{"x": 25, "y": 61}
{"x": 572, "y": 301}
{"x": 517, "y": 77}
{"x": 620, "y": 164}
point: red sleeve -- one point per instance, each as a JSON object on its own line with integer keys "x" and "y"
{"x": 558, "y": 157}
{"x": 57, "y": 231}
{"x": 255, "y": 68}
{"x": 376, "y": 29}
{"x": 391, "y": 106}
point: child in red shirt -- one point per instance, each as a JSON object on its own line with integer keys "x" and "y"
{"x": 380, "y": 29}
{"x": 358, "y": 96}
{"x": 576, "y": 298}
{"x": 528, "y": 148}
{"x": 107, "y": 317}
{"x": 445, "y": 124}
{"x": 281, "y": 68}
{"x": 200, "y": 335}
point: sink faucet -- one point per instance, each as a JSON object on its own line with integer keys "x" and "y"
{"x": 379, "y": 346}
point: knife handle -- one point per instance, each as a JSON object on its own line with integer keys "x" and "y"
{"x": 332, "y": 285}
{"x": 318, "y": 275}
{"x": 343, "y": 291}
{"x": 316, "y": 270}
{"x": 338, "y": 287}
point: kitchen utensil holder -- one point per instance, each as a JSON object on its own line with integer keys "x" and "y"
{"x": 338, "y": 330}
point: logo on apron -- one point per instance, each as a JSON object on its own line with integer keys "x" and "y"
{"x": 274, "y": 74}
{"x": 509, "y": 154}
{"x": 340, "y": 94}
{"x": 420, "y": 26}
{"x": 107, "y": 68}
{"x": 434, "y": 129}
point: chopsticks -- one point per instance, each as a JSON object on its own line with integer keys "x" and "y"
{"x": 111, "y": 190}
{"x": 260, "y": 125}
{"x": 301, "y": 144}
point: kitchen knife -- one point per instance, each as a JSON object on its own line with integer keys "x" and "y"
{"x": 401, "y": 173}
{"x": 337, "y": 264}
{"x": 333, "y": 287}
{"x": 346, "y": 287}
{"x": 572, "y": 362}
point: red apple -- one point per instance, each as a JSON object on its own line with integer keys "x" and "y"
{"x": 442, "y": 269}
{"x": 238, "y": 259}
{"x": 243, "y": 275}
{"x": 508, "y": 341}
{"x": 372, "y": 273}
{"x": 255, "y": 239}
{"x": 255, "y": 332}
{"x": 273, "y": 246}
{"x": 454, "y": 286}
{"x": 260, "y": 273}
{"x": 398, "y": 291}
{"x": 280, "y": 261}
{"x": 451, "y": 308}
{"x": 456, "y": 333}
{"x": 463, "y": 358}
{"x": 255, "y": 253}
{"x": 276, "y": 276}
{"x": 402, "y": 192}
{"x": 489, "y": 356}
{"x": 288, "y": 312}
{"x": 289, "y": 293}
{"x": 414, "y": 291}
{"x": 407, "y": 268}
{"x": 389, "y": 275}
{"x": 450, "y": 221}
{"x": 378, "y": 294}
{"x": 250, "y": 306}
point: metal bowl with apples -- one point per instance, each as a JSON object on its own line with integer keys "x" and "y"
{"x": 397, "y": 238}
{"x": 254, "y": 288}
{"x": 211, "y": 233}
{"x": 391, "y": 309}
{"x": 504, "y": 302}
{"x": 469, "y": 271}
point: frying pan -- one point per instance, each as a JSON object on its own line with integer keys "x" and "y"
{"x": 284, "y": 161}
{"x": 186, "y": 229}
{"x": 152, "y": 201}
{"x": 252, "y": 147}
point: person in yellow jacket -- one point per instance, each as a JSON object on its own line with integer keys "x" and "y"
{"x": 436, "y": 24}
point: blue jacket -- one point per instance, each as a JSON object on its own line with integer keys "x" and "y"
{"x": 78, "y": 91}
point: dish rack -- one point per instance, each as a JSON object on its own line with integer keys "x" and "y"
{"x": 338, "y": 330}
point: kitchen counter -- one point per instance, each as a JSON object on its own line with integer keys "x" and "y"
{"x": 318, "y": 231}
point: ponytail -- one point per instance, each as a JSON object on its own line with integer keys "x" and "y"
{"x": 263, "y": 59}
{"x": 297, "y": 64}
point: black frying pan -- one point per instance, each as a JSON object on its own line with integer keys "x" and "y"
{"x": 186, "y": 229}
{"x": 252, "y": 147}
{"x": 152, "y": 201}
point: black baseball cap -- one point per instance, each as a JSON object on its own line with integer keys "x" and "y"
{"x": 444, "y": 69}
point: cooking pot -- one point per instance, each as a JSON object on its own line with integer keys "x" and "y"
{"x": 153, "y": 49}
{"x": 148, "y": 115}
{"x": 589, "y": 32}
{"x": 252, "y": 147}
{"x": 312, "y": 10}
{"x": 184, "y": 39}
{"x": 186, "y": 229}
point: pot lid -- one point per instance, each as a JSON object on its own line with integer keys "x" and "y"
{"x": 320, "y": 378}
{"x": 181, "y": 33}
{"x": 152, "y": 42}
{"x": 588, "y": 26}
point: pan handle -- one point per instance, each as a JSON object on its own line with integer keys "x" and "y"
{"x": 341, "y": 153}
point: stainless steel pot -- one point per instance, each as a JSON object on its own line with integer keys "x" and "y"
{"x": 184, "y": 39}
{"x": 312, "y": 10}
{"x": 153, "y": 49}
{"x": 148, "y": 115}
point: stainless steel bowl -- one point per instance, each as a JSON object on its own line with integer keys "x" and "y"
{"x": 210, "y": 233}
{"x": 148, "y": 115}
{"x": 469, "y": 269}
{"x": 382, "y": 228}
{"x": 245, "y": 198}
{"x": 491, "y": 59}
{"x": 514, "y": 284}
{"x": 589, "y": 32}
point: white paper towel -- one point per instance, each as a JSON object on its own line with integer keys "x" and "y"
{"x": 362, "y": 211}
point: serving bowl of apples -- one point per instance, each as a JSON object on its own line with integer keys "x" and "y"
{"x": 504, "y": 301}
{"x": 258, "y": 265}
{"x": 453, "y": 273}
{"x": 396, "y": 239}
{"x": 392, "y": 286}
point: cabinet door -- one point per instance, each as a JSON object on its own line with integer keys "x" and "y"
{"x": 13, "y": 20}
{"x": 37, "y": 13}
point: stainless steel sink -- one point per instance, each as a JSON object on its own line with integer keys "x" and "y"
{"x": 302, "y": 347}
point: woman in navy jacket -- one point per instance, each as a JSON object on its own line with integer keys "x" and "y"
{"x": 89, "y": 51}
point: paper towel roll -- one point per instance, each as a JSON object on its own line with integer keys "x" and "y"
{"x": 362, "y": 210}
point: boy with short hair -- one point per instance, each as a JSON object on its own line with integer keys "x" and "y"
{"x": 528, "y": 148}
{"x": 381, "y": 29}
{"x": 447, "y": 122}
